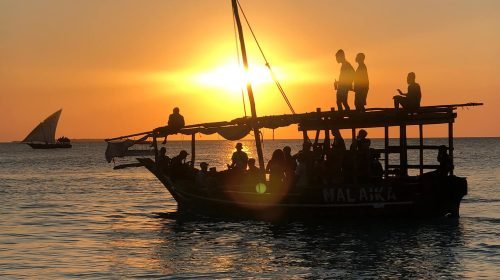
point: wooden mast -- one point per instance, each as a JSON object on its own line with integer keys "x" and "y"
{"x": 249, "y": 86}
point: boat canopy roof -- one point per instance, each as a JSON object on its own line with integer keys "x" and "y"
{"x": 321, "y": 120}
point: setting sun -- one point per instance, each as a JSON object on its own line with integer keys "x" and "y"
{"x": 231, "y": 77}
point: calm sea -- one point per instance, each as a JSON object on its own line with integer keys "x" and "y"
{"x": 67, "y": 214}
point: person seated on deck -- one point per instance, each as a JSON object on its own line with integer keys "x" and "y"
{"x": 308, "y": 158}
{"x": 239, "y": 159}
{"x": 376, "y": 169}
{"x": 290, "y": 165}
{"x": 445, "y": 162}
{"x": 336, "y": 156}
{"x": 276, "y": 169}
{"x": 175, "y": 123}
{"x": 411, "y": 99}
{"x": 163, "y": 159}
{"x": 301, "y": 175}
{"x": 202, "y": 175}
{"x": 253, "y": 170}
{"x": 178, "y": 165}
{"x": 361, "y": 149}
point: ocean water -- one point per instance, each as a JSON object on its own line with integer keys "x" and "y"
{"x": 67, "y": 214}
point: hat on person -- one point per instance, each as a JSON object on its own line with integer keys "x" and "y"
{"x": 183, "y": 152}
{"x": 239, "y": 145}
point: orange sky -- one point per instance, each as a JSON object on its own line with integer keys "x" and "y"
{"x": 119, "y": 67}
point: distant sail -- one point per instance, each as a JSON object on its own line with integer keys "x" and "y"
{"x": 45, "y": 132}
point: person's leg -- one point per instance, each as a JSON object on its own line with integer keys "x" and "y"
{"x": 339, "y": 100}
{"x": 358, "y": 101}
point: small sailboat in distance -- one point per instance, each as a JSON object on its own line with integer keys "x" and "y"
{"x": 43, "y": 135}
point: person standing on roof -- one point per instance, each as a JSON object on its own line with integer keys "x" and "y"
{"x": 411, "y": 99}
{"x": 360, "y": 83}
{"x": 344, "y": 84}
{"x": 175, "y": 123}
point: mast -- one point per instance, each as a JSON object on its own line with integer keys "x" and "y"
{"x": 249, "y": 86}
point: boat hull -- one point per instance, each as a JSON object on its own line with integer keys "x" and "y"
{"x": 50, "y": 146}
{"x": 427, "y": 197}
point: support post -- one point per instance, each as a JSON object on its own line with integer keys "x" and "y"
{"x": 403, "y": 156}
{"x": 193, "y": 149}
{"x": 450, "y": 144}
{"x": 316, "y": 138}
{"x": 421, "y": 148}
{"x": 155, "y": 146}
{"x": 386, "y": 149}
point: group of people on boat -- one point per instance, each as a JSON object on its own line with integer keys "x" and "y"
{"x": 357, "y": 81}
{"x": 314, "y": 165}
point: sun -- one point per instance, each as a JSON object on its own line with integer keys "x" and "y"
{"x": 232, "y": 78}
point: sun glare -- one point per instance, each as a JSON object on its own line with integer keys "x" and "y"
{"x": 232, "y": 78}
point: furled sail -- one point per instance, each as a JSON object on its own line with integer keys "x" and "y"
{"x": 45, "y": 132}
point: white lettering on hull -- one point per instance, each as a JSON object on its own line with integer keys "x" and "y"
{"x": 354, "y": 195}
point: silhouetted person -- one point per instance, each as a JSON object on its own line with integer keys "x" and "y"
{"x": 301, "y": 175}
{"x": 253, "y": 170}
{"x": 344, "y": 84}
{"x": 276, "y": 168}
{"x": 337, "y": 156}
{"x": 202, "y": 175}
{"x": 411, "y": 99}
{"x": 239, "y": 159}
{"x": 445, "y": 162}
{"x": 175, "y": 123}
{"x": 163, "y": 159}
{"x": 360, "y": 83}
{"x": 376, "y": 169}
{"x": 178, "y": 164}
{"x": 290, "y": 165}
{"x": 361, "y": 148}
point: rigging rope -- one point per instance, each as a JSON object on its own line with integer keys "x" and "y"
{"x": 280, "y": 88}
{"x": 239, "y": 64}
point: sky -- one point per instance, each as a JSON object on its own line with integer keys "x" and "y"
{"x": 118, "y": 67}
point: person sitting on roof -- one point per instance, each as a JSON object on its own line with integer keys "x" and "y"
{"x": 239, "y": 160}
{"x": 411, "y": 99}
{"x": 175, "y": 123}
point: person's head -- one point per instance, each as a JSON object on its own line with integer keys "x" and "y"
{"x": 183, "y": 154}
{"x": 287, "y": 150}
{"x": 410, "y": 79}
{"x": 163, "y": 151}
{"x": 251, "y": 162}
{"x": 239, "y": 146}
{"x": 362, "y": 134}
{"x": 360, "y": 58}
{"x": 204, "y": 166}
{"x": 176, "y": 110}
{"x": 340, "y": 56}
{"x": 278, "y": 155}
